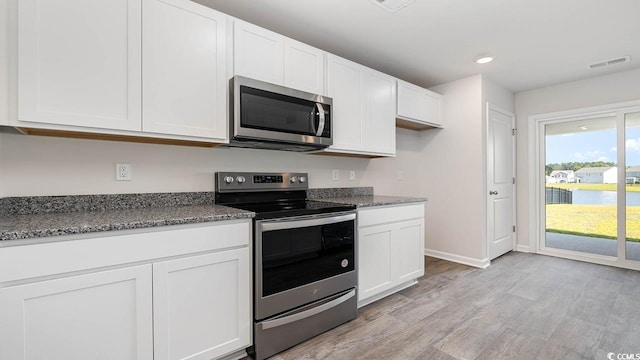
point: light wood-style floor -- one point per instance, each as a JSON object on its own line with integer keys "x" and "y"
{"x": 523, "y": 306}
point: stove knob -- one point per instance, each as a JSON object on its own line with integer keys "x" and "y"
{"x": 241, "y": 179}
{"x": 228, "y": 179}
{"x": 302, "y": 179}
{"x": 294, "y": 180}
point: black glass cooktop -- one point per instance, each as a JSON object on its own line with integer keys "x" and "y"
{"x": 271, "y": 195}
{"x": 288, "y": 208}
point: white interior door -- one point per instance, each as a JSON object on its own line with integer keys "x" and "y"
{"x": 500, "y": 181}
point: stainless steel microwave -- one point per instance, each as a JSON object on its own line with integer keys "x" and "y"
{"x": 269, "y": 116}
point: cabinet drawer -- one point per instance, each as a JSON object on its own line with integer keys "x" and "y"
{"x": 388, "y": 214}
{"x": 30, "y": 261}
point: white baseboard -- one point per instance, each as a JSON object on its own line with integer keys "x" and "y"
{"x": 383, "y": 294}
{"x": 522, "y": 248}
{"x": 479, "y": 263}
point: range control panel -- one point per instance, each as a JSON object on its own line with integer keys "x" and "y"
{"x": 248, "y": 181}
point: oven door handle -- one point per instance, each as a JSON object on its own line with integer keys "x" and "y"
{"x": 307, "y": 313}
{"x": 293, "y": 224}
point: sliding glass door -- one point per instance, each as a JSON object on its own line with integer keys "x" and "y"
{"x": 632, "y": 180}
{"x": 580, "y": 186}
{"x": 589, "y": 169}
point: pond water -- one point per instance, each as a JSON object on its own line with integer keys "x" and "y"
{"x": 590, "y": 197}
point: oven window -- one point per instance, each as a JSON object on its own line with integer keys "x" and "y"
{"x": 296, "y": 257}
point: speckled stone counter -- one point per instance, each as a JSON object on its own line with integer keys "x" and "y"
{"x": 40, "y": 217}
{"x": 359, "y": 197}
{"x": 373, "y": 200}
{"x": 48, "y": 216}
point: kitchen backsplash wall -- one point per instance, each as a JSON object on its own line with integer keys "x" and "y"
{"x": 36, "y": 166}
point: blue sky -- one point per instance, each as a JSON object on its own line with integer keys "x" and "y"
{"x": 592, "y": 146}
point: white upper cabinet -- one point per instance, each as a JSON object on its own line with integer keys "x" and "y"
{"x": 363, "y": 109}
{"x": 418, "y": 108}
{"x": 258, "y": 53}
{"x": 380, "y": 112}
{"x": 345, "y": 84}
{"x": 264, "y": 55}
{"x": 80, "y": 63}
{"x": 184, "y": 72}
{"x": 303, "y": 67}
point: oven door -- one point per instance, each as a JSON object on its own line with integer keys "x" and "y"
{"x": 302, "y": 259}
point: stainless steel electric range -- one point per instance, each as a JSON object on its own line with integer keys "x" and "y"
{"x": 304, "y": 258}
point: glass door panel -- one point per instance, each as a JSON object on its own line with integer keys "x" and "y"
{"x": 581, "y": 186}
{"x": 632, "y": 170}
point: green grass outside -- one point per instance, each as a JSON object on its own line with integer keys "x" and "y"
{"x": 596, "y": 187}
{"x": 591, "y": 220}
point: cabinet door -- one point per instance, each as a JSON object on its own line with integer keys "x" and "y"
{"x": 380, "y": 124}
{"x": 303, "y": 67}
{"x": 80, "y": 63}
{"x": 375, "y": 268}
{"x": 411, "y": 102}
{"x": 202, "y": 305}
{"x": 258, "y": 53}
{"x": 419, "y": 105}
{"x": 184, "y": 74}
{"x": 408, "y": 250}
{"x": 434, "y": 108}
{"x": 105, "y": 315}
{"x": 345, "y": 80}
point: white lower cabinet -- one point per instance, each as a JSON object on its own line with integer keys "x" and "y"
{"x": 189, "y": 299}
{"x": 103, "y": 315}
{"x": 390, "y": 250}
{"x": 201, "y": 305}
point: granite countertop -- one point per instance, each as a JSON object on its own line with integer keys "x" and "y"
{"x": 373, "y": 200}
{"x": 359, "y": 197}
{"x": 13, "y": 227}
{"x": 49, "y": 216}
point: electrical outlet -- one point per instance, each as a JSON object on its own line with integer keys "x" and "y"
{"x": 400, "y": 175}
{"x": 352, "y": 175}
{"x": 123, "y": 172}
{"x": 335, "y": 175}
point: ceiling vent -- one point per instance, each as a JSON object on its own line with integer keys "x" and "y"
{"x": 604, "y": 63}
{"x": 393, "y": 5}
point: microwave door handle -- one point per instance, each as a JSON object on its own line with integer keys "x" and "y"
{"x": 322, "y": 119}
{"x": 314, "y": 129}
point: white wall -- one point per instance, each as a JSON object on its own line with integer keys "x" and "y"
{"x": 35, "y": 165}
{"x": 4, "y": 73}
{"x": 608, "y": 89}
{"x": 452, "y": 173}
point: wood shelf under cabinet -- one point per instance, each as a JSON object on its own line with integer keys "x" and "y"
{"x": 412, "y": 125}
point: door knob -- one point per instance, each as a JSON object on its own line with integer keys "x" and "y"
{"x": 493, "y": 192}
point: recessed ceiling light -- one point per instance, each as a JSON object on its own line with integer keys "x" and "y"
{"x": 583, "y": 127}
{"x": 483, "y": 59}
